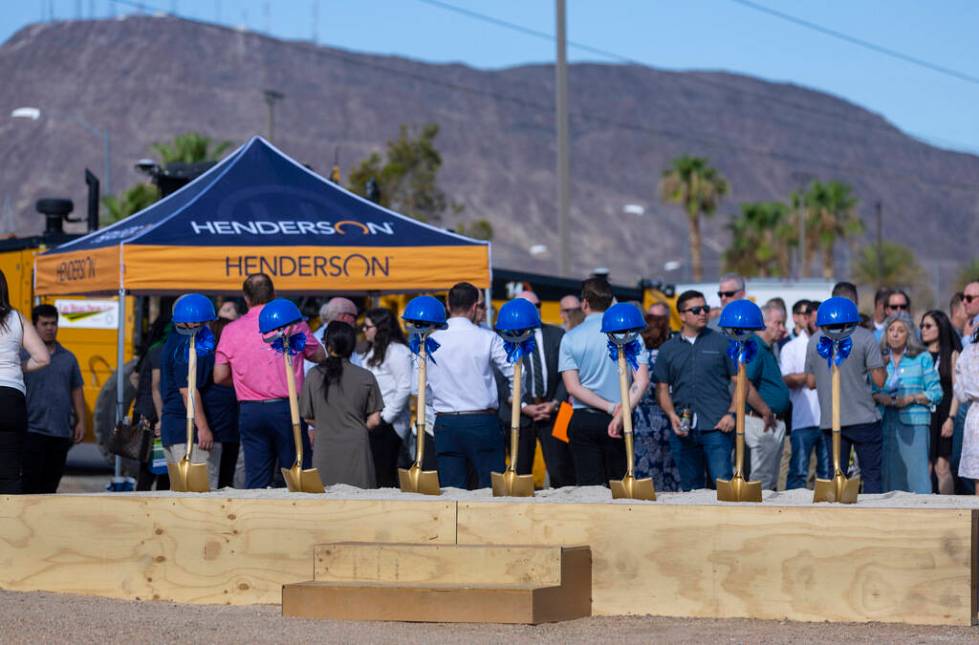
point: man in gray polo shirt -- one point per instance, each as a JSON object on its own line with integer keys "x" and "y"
{"x": 55, "y": 409}
{"x": 859, "y": 419}
{"x": 693, "y": 373}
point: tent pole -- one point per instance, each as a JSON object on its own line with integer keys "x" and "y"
{"x": 490, "y": 314}
{"x": 117, "y": 480}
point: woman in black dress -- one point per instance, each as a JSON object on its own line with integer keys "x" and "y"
{"x": 944, "y": 345}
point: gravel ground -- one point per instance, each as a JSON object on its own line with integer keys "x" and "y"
{"x": 58, "y": 618}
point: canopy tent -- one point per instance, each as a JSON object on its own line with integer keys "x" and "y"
{"x": 259, "y": 211}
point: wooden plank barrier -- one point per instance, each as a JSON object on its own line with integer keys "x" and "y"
{"x": 206, "y": 549}
{"x": 797, "y": 563}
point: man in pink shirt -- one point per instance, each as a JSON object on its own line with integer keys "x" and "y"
{"x": 245, "y": 359}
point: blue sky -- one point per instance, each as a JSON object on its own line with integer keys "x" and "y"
{"x": 675, "y": 34}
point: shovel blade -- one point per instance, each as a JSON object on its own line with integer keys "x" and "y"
{"x": 839, "y": 490}
{"x": 510, "y": 484}
{"x": 303, "y": 481}
{"x": 416, "y": 480}
{"x": 631, "y": 488}
{"x": 186, "y": 477}
{"x": 737, "y": 489}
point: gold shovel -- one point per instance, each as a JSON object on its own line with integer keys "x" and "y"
{"x": 297, "y": 479}
{"x": 186, "y": 477}
{"x": 629, "y": 487}
{"x": 509, "y": 483}
{"x": 737, "y": 489}
{"x": 839, "y": 489}
{"x": 414, "y": 479}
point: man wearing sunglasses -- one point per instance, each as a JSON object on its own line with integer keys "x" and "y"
{"x": 693, "y": 376}
{"x": 970, "y": 300}
{"x": 898, "y": 301}
{"x": 730, "y": 288}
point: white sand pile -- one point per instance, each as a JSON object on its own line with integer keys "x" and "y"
{"x": 574, "y": 495}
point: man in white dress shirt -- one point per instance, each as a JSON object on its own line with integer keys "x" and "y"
{"x": 464, "y": 395}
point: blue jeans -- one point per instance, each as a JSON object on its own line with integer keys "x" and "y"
{"x": 266, "y": 436}
{"x": 905, "y": 459}
{"x": 803, "y": 441}
{"x": 867, "y": 440}
{"x": 700, "y": 447}
{"x": 464, "y": 441}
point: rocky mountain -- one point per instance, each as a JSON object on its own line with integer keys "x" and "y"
{"x": 146, "y": 79}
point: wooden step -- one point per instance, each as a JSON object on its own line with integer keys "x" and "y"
{"x": 444, "y": 583}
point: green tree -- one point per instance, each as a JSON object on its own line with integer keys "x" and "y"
{"x": 190, "y": 147}
{"x": 969, "y": 273}
{"x": 696, "y": 186}
{"x": 407, "y": 175}
{"x": 479, "y": 229}
{"x": 132, "y": 200}
{"x": 830, "y": 209}
{"x": 762, "y": 235}
{"x": 899, "y": 266}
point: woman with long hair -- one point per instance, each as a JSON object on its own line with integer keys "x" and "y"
{"x": 389, "y": 360}
{"x": 650, "y": 424}
{"x": 16, "y": 334}
{"x": 344, "y": 403}
{"x": 912, "y": 388}
{"x": 944, "y": 345}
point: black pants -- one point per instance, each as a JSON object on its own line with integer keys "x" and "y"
{"x": 13, "y": 428}
{"x": 229, "y": 459}
{"x": 44, "y": 462}
{"x": 385, "y": 447}
{"x": 598, "y": 457}
{"x": 557, "y": 454}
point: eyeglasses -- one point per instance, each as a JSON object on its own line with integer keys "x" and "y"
{"x": 368, "y": 327}
{"x": 903, "y": 307}
{"x": 696, "y": 311}
{"x": 926, "y": 325}
{"x": 728, "y": 294}
{"x": 480, "y": 305}
{"x": 969, "y": 298}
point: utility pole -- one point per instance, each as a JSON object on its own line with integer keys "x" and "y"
{"x": 271, "y": 98}
{"x": 563, "y": 160}
{"x": 880, "y": 243}
{"x": 803, "y": 269}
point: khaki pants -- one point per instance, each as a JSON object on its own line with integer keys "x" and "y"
{"x": 212, "y": 458}
{"x": 766, "y": 450}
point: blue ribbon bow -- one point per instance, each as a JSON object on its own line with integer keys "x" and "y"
{"x": 742, "y": 351}
{"x": 516, "y": 351}
{"x": 294, "y": 344}
{"x": 414, "y": 344}
{"x": 631, "y": 351}
{"x": 203, "y": 345}
{"x": 831, "y": 350}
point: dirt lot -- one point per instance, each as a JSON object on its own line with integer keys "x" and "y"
{"x": 57, "y": 618}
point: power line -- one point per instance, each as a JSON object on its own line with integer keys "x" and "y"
{"x": 859, "y": 42}
{"x": 621, "y": 58}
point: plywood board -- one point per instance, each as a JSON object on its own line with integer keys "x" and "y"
{"x": 206, "y": 549}
{"x": 438, "y": 564}
{"x": 816, "y": 564}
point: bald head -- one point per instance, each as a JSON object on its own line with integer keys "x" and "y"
{"x": 530, "y": 297}
{"x": 970, "y": 299}
{"x": 340, "y": 309}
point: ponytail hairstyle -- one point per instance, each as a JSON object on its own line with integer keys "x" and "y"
{"x": 388, "y": 331}
{"x": 340, "y": 339}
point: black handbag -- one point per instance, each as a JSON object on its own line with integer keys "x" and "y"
{"x": 132, "y": 441}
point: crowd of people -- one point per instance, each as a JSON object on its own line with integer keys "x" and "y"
{"x": 907, "y": 390}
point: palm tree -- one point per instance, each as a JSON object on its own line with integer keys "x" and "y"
{"x": 898, "y": 268}
{"x": 761, "y": 237}
{"x": 190, "y": 147}
{"x": 132, "y": 200}
{"x": 831, "y": 211}
{"x": 696, "y": 186}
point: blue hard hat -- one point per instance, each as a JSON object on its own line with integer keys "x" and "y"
{"x": 837, "y": 311}
{"x": 517, "y": 315}
{"x": 425, "y": 310}
{"x": 193, "y": 308}
{"x": 741, "y": 314}
{"x": 277, "y": 314}
{"x": 622, "y": 317}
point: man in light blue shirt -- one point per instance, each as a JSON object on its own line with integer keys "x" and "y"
{"x": 592, "y": 379}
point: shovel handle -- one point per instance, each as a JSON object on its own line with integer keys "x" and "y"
{"x": 191, "y": 393}
{"x": 293, "y": 406}
{"x": 515, "y": 401}
{"x": 630, "y": 455}
{"x": 420, "y": 412}
{"x": 740, "y": 399}
{"x": 835, "y": 388}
